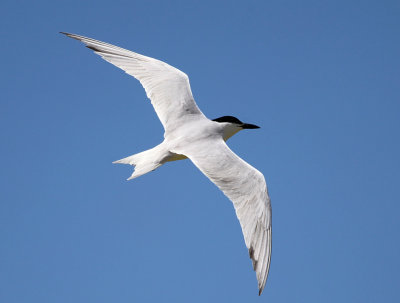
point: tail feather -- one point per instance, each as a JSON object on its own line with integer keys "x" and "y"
{"x": 145, "y": 161}
{"x": 128, "y": 160}
{"x": 143, "y": 170}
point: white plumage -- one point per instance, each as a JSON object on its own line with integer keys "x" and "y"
{"x": 189, "y": 134}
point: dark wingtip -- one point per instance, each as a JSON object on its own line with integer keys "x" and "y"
{"x": 92, "y": 48}
{"x": 73, "y": 36}
{"x": 251, "y": 252}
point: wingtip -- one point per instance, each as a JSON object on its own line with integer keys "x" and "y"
{"x": 261, "y": 283}
{"x": 260, "y": 290}
{"x": 73, "y": 36}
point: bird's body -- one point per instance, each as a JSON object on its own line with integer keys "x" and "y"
{"x": 190, "y": 134}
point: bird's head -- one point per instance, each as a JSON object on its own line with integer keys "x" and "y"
{"x": 233, "y": 125}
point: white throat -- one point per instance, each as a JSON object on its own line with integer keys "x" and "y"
{"x": 229, "y": 130}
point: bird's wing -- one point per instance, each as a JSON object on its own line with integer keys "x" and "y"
{"x": 167, "y": 87}
{"x": 245, "y": 186}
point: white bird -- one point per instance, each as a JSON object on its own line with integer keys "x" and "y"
{"x": 189, "y": 134}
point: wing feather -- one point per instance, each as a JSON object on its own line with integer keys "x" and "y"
{"x": 245, "y": 186}
{"x": 167, "y": 87}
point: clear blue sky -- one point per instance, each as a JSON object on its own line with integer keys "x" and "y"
{"x": 320, "y": 77}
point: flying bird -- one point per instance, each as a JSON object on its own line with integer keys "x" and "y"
{"x": 190, "y": 134}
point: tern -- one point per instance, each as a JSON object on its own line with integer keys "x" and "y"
{"x": 190, "y": 134}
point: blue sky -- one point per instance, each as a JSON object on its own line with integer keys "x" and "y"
{"x": 320, "y": 77}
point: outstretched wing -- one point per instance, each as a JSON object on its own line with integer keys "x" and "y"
{"x": 166, "y": 86}
{"x": 245, "y": 186}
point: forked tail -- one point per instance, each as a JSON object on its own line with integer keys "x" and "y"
{"x": 146, "y": 161}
